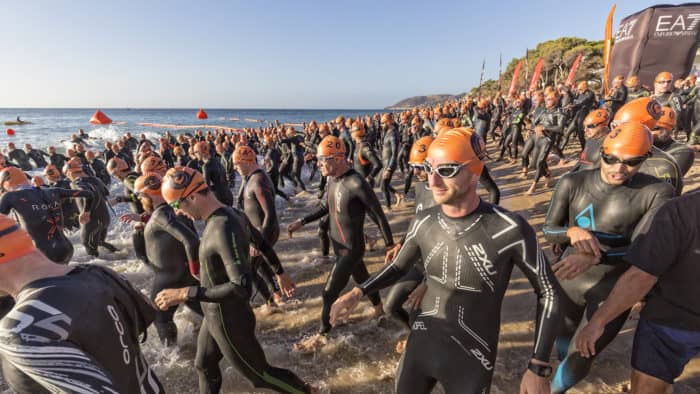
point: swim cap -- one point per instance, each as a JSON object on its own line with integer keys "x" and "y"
{"x": 358, "y": 131}
{"x": 12, "y": 177}
{"x": 244, "y": 154}
{"x": 330, "y": 146}
{"x": 597, "y": 117}
{"x": 477, "y": 143}
{"x": 115, "y": 165}
{"x": 153, "y": 164}
{"x": 202, "y": 147}
{"x": 645, "y": 110}
{"x": 90, "y": 155}
{"x": 446, "y": 124}
{"x": 180, "y": 182}
{"x": 583, "y": 85}
{"x": 340, "y": 119}
{"x": 419, "y": 150}
{"x": 667, "y": 120}
{"x": 632, "y": 81}
{"x": 663, "y": 76}
{"x": 387, "y": 118}
{"x": 632, "y": 138}
{"x": 178, "y": 151}
{"x": 148, "y": 183}
{"x": 37, "y": 181}
{"x": 324, "y": 128}
{"x": 455, "y": 146}
{"x": 416, "y": 121}
{"x": 14, "y": 240}
{"x": 51, "y": 173}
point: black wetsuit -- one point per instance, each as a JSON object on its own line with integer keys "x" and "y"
{"x": 98, "y": 167}
{"x": 20, "y": 158}
{"x": 272, "y": 165}
{"x": 681, "y": 153}
{"x": 78, "y": 333}
{"x": 137, "y": 238}
{"x": 228, "y": 328}
{"x": 582, "y": 105}
{"x": 615, "y": 215}
{"x": 39, "y": 211}
{"x": 257, "y": 200}
{"x": 399, "y": 292}
{"x": 590, "y": 156}
{"x": 468, "y": 263}
{"x": 216, "y": 178}
{"x": 367, "y": 162}
{"x": 552, "y": 119}
{"x": 69, "y": 208}
{"x": 58, "y": 160}
{"x": 390, "y": 151}
{"x": 349, "y": 198}
{"x": 37, "y": 156}
{"x": 94, "y": 232}
{"x": 171, "y": 243}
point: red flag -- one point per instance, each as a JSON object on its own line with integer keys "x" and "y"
{"x": 514, "y": 81}
{"x": 536, "y": 74}
{"x": 608, "y": 48}
{"x": 572, "y": 73}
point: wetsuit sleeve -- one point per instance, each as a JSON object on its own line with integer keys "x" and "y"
{"x": 51, "y": 365}
{"x": 394, "y": 150}
{"x": 265, "y": 249}
{"x": 266, "y": 200}
{"x": 490, "y": 185}
{"x": 182, "y": 234}
{"x": 617, "y": 255}
{"x": 404, "y": 260}
{"x": 556, "y": 222}
{"x": 5, "y": 204}
{"x": 371, "y": 155}
{"x": 532, "y": 262}
{"x": 374, "y": 210}
{"x": 88, "y": 195}
{"x": 558, "y": 126}
{"x": 318, "y": 213}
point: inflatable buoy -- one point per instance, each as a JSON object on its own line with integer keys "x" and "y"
{"x": 10, "y": 132}
{"x": 201, "y": 114}
{"x": 99, "y": 117}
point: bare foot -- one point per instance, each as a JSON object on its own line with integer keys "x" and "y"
{"x": 399, "y": 200}
{"x": 378, "y": 311}
{"x": 277, "y": 299}
{"x": 523, "y": 175}
{"x": 371, "y": 242}
{"x": 310, "y": 344}
{"x": 268, "y": 309}
{"x": 401, "y": 346}
{"x": 549, "y": 181}
{"x": 324, "y": 259}
{"x": 531, "y": 190}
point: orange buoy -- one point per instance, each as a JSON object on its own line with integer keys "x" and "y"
{"x": 201, "y": 114}
{"x": 10, "y": 132}
{"x": 99, "y": 117}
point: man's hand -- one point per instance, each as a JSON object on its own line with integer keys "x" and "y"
{"x": 343, "y": 306}
{"x": 386, "y": 175}
{"x": 287, "y": 285}
{"x": 574, "y": 265}
{"x": 84, "y": 217}
{"x": 294, "y": 226}
{"x": 534, "y": 384}
{"x": 171, "y": 297}
{"x": 253, "y": 252}
{"x": 416, "y": 297}
{"x": 584, "y": 241}
{"x": 391, "y": 254}
{"x": 130, "y": 217}
{"x": 588, "y": 336}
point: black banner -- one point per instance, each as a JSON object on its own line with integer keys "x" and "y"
{"x": 659, "y": 38}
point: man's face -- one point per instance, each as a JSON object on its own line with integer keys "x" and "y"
{"x": 618, "y": 173}
{"x": 452, "y": 190}
{"x": 190, "y": 206}
{"x": 593, "y": 130}
{"x": 663, "y": 86}
{"x": 146, "y": 202}
{"x": 661, "y": 134}
{"x": 328, "y": 165}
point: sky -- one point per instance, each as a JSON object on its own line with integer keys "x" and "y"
{"x": 270, "y": 54}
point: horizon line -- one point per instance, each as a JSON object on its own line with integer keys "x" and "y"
{"x": 204, "y": 108}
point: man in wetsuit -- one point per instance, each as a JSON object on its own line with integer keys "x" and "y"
{"x": 39, "y": 211}
{"x": 36, "y": 155}
{"x": 214, "y": 173}
{"x": 349, "y": 199}
{"x": 663, "y": 92}
{"x": 582, "y": 105}
{"x": 171, "y": 246}
{"x": 257, "y": 199}
{"x": 548, "y": 126}
{"x": 390, "y": 151}
{"x": 228, "y": 328}
{"x": 120, "y": 170}
{"x": 617, "y": 96}
{"x": 93, "y": 233}
{"x": 69, "y": 209}
{"x": 663, "y": 267}
{"x": 55, "y": 158}
{"x": 663, "y": 139}
{"x": 18, "y": 157}
{"x": 593, "y": 216}
{"x": 272, "y": 164}
{"x": 596, "y": 128}
{"x": 468, "y": 249}
{"x": 635, "y": 89}
{"x": 98, "y": 167}
{"x": 366, "y": 162}
{"x": 74, "y": 329}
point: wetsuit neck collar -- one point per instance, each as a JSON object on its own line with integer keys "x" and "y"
{"x": 343, "y": 175}
{"x": 478, "y": 208}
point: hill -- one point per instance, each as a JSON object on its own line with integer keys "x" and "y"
{"x": 421, "y": 101}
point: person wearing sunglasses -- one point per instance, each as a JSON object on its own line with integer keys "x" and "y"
{"x": 349, "y": 199}
{"x": 256, "y": 198}
{"x": 171, "y": 245}
{"x": 596, "y": 128}
{"x": 635, "y": 89}
{"x": 468, "y": 248}
{"x": 663, "y": 91}
{"x": 663, "y": 139}
{"x": 228, "y": 328}
{"x": 594, "y": 215}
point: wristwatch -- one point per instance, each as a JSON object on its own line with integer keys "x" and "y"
{"x": 544, "y": 371}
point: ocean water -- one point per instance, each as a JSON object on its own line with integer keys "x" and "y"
{"x": 52, "y": 126}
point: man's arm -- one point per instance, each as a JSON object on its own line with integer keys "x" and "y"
{"x": 365, "y": 193}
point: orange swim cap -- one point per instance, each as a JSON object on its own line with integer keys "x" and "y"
{"x": 455, "y": 146}
{"x": 154, "y": 164}
{"x": 14, "y": 240}
{"x": 645, "y": 110}
{"x": 115, "y": 165}
{"x": 180, "y": 182}
{"x": 244, "y": 154}
{"x": 419, "y": 150}
{"x": 51, "y": 173}
{"x": 632, "y": 138}
{"x": 597, "y": 117}
{"x": 148, "y": 183}
{"x": 37, "y": 181}
{"x": 667, "y": 120}
{"x": 12, "y": 177}
{"x": 663, "y": 76}
{"x": 330, "y": 146}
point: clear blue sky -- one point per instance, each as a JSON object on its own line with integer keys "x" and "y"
{"x": 270, "y": 54}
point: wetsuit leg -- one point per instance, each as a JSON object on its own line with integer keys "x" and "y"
{"x": 411, "y": 376}
{"x": 139, "y": 245}
{"x": 544, "y": 145}
{"x": 387, "y": 189}
{"x": 398, "y": 294}
{"x": 207, "y": 361}
{"x": 527, "y": 150}
{"x": 90, "y": 237}
{"x": 234, "y": 333}
{"x": 296, "y": 172}
{"x": 408, "y": 181}
{"x": 323, "y": 228}
{"x": 59, "y": 249}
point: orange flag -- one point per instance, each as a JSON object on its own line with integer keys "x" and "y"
{"x": 607, "y": 50}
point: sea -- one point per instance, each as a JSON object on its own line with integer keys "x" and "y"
{"x": 54, "y": 126}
